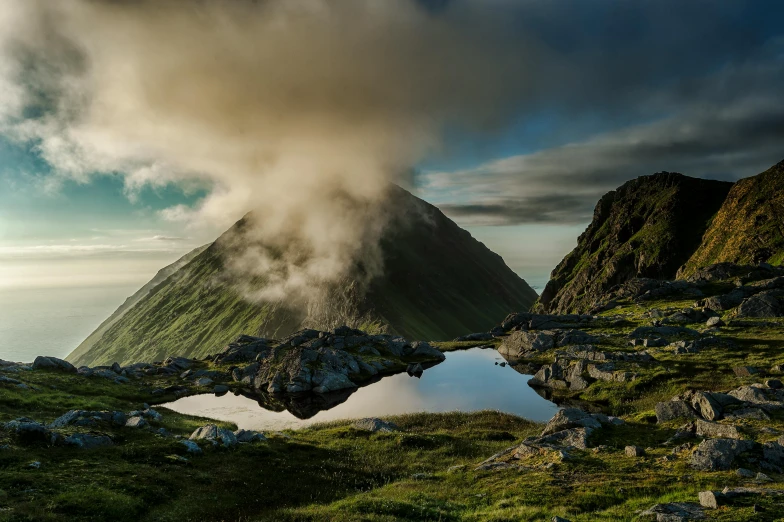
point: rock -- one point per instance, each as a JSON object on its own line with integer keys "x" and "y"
{"x": 773, "y": 454}
{"x": 559, "y": 519}
{"x": 750, "y": 394}
{"x": 27, "y": 431}
{"x": 634, "y": 451}
{"x": 246, "y": 436}
{"x": 423, "y": 349}
{"x": 715, "y": 430}
{"x": 191, "y": 447}
{"x": 569, "y": 438}
{"x": 675, "y": 409}
{"x": 151, "y": 414}
{"x": 745, "y": 473}
{"x": 760, "y": 305}
{"x": 88, "y": 441}
{"x": 247, "y": 374}
{"x": 89, "y": 418}
{"x": 576, "y": 337}
{"x": 718, "y": 454}
{"x": 774, "y": 384}
{"x": 53, "y": 363}
{"x": 136, "y": 422}
{"x": 714, "y": 322}
{"x": 745, "y": 371}
{"x": 522, "y": 342}
{"x": 761, "y": 477}
{"x": 36, "y": 464}
{"x": 706, "y": 405}
{"x": 214, "y": 434}
{"x": 711, "y": 499}
{"x": 374, "y": 425}
{"x": 415, "y": 370}
{"x": 570, "y": 418}
{"x": 221, "y": 389}
{"x": 675, "y": 512}
{"x": 203, "y": 382}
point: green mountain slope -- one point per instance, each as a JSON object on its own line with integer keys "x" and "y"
{"x": 438, "y": 283}
{"x": 648, "y": 227}
{"x": 749, "y": 227}
{"x": 161, "y": 276}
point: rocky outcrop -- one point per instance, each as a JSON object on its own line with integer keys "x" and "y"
{"x": 53, "y": 363}
{"x": 324, "y": 362}
{"x": 747, "y": 229}
{"x": 646, "y": 228}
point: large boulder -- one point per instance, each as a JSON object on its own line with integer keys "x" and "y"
{"x": 522, "y": 342}
{"x": 674, "y": 409}
{"x": 89, "y": 418}
{"x": 760, "y": 305}
{"x": 570, "y": 418}
{"x": 215, "y": 434}
{"x": 53, "y": 363}
{"x": 718, "y": 454}
{"x": 27, "y": 431}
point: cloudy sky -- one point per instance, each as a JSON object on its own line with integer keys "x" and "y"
{"x": 130, "y": 134}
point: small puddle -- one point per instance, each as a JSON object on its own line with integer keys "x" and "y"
{"x": 468, "y": 380}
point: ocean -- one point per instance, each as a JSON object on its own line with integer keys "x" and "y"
{"x": 53, "y": 321}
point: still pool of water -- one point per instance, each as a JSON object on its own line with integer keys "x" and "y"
{"x": 467, "y": 381}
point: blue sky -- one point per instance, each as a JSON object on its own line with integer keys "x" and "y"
{"x": 515, "y": 116}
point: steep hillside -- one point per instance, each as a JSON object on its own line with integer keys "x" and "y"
{"x": 438, "y": 283}
{"x": 749, "y": 227}
{"x": 648, "y": 227}
{"x": 162, "y": 274}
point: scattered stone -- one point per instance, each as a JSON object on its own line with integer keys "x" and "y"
{"x": 634, "y": 451}
{"x": 521, "y": 343}
{"x": 246, "y": 436}
{"x": 714, "y": 322}
{"x": 88, "y": 441}
{"x": 136, "y": 422}
{"x": 374, "y": 425}
{"x": 674, "y": 409}
{"x": 570, "y": 418}
{"x": 191, "y": 447}
{"x": 745, "y": 473}
{"x": 715, "y": 430}
{"x": 221, "y": 389}
{"x": 27, "y": 431}
{"x": 203, "y": 382}
{"x": 718, "y": 454}
{"x": 675, "y": 512}
{"x": 213, "y": 433}
{"x": 745, "y": 371}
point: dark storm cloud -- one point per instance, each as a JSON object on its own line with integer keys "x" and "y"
{"x": 691, "y": 91}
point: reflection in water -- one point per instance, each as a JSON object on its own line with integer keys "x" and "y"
{"x": 467, "y": 381}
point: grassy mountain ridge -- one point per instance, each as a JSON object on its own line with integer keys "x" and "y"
{"x": 648, "y": 227}
{"x": 161, "y": 276}
{"x": 749, "y": 227}
{"x": 438, "y": 283}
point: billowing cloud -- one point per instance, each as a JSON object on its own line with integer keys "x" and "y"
{"x": 306, "y": 109}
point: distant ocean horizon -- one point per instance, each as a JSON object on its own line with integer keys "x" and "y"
{"x": 53, "y": 321}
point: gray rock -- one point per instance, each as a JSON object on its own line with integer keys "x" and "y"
{"x": 215, "y": 434}
{"x": 519, "y": 343}
{"x": 745, "y": 371}
{"x": 715, "y": 430}
{"x": 415, "y": 370}
{"x": 89, "y": 418}
{"x": 221, "y": 389}
{"x": 423, "y": 349}
{"x": 706, "y": 405}
{"x": 481, "y": 336}
{"x": 714, "y": 322}
{"x": 718, "y": 454}
{"x": 88, "y": 441}
{"x": 53, "y": 363}
{"x": 27, "y": 431}
{"x": 374, "y": 425}
{"x": 751, "y": 394}
{"x": 773, "y": 454}
{"x": 246, "y": 436}
{"x": 559, "y": 519}
{"x": 634, "y": 451}
{"x": 675, "y": 512}
{"x": 570, "y": 418}
{"x": 745, "y": 473}
{"x": 675, "y": 409}
{"x": 191, "y": 447}
{"x": 760, "y": 305}
{"x": 203, "y": 382}
{"x": 136, "y": 422}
